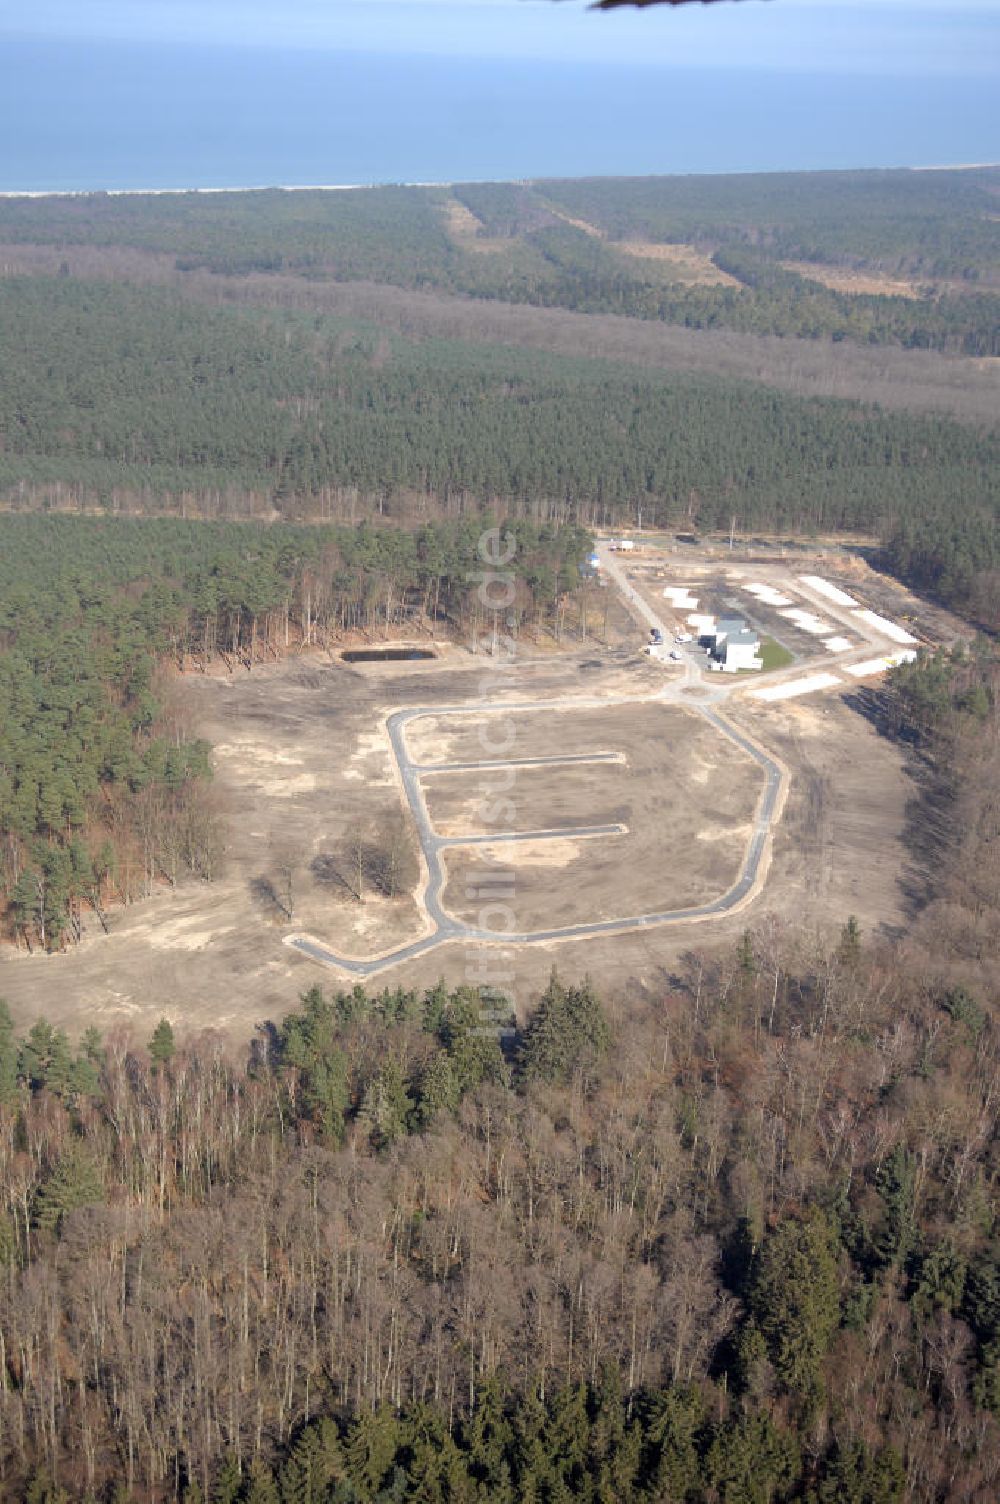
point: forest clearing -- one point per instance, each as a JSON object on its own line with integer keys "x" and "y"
{"x": 319, "y": 840}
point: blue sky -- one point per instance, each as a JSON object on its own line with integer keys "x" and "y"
{"x": 900, "y": 37}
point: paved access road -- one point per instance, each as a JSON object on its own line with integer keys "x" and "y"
{"x": 445, "y": 927}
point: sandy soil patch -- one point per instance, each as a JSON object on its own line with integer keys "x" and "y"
{"x": 288, "y": 788}
{"x": 578, "y": 224}
{"x": 248, "y": 751}
{"x": 730, "y": 833}
{"x": 363, "y": 929}
{"x": 843, "y": 279}
{"x": 371, "y": 761}
{"x": 432, "y": 739}
{"x": 687, "y": 264}
{"x": 542, "y": 797}
{"x": 465, "y": 228}
{"x": 548, "y": 853}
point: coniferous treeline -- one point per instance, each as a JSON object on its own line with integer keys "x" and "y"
{"x": 938, "y": 227}
{"x": 933, "y": 224}
{"x": 950, "y": 554}
{"x": 576, "y": 271}
{"x": 929, "y": 224}
{"x": 946, "y": 705}
{"x": 102, "y": 786}
{"x": 136, "y": 399}
{"x": 391, "y": 233}
{"x": 741, "y": 1246}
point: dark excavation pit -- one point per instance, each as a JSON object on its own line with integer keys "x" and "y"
{"x": 386, "y": 655}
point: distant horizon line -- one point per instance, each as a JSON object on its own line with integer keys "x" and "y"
{"x": 459, "y": 182}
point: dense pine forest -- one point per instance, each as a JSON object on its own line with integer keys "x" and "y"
{"x": 560, "y": 244}
{"x": 115, "y": 391}
{"x": 104, "y": 790}
{"x": 935, "y": 224}
{"x": 132, "y": 398}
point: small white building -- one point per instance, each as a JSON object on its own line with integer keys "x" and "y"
{"x": 739, "y": 651}
{"x": 718, "y": 631}
{"x": 734, "y": 646}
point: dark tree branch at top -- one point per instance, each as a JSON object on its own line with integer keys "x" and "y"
{"x": 615, "y": 4}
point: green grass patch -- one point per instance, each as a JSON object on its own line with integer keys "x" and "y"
{"x": 773, "y": 655}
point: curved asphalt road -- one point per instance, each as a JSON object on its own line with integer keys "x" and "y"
{"x": 692, "y": 689}
{"x": 447, "y": 928}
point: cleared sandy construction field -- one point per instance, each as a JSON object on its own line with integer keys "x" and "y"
{"x": 685, "y": 795}
{"x": 840, "y": 847}
{"x": 302, "y": 754}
